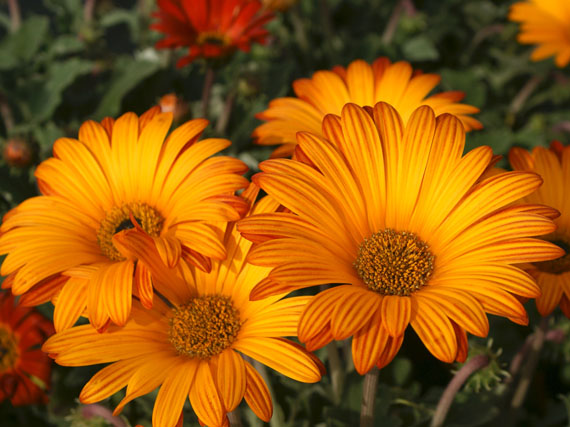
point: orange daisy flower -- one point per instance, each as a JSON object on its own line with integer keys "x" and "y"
{"x": 553, "y": 277}
{"x": 118, "y": 175}
{"x": 22, "y": 364}
{"x": 396, "y": 215}
{"x": 547, "y": 24}
{"x": 192, "y": 347}
{"x": 328, "y": 91}
{"x": 210, "y": 28}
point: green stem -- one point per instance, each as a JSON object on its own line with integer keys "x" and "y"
{"x": 368, "y": 396}
{"x": 207, "y": 90}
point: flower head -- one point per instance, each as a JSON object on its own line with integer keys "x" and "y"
{"x": 360, "y": 83}
{"x": 547, "y": 24}
{"x": 18, "y": 152}
{"x": 397, "y": 216}
{"x": 170, "y": 103}
{"x": 118, "y": 175}
{"x": 23, "y": 366}
{"x": 210, "y": 28}
{"x": 192, "y": 348}
{"x": 553, "y": 165}
{"x": 278, "y": 5}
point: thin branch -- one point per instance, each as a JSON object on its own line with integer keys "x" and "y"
{"x": 471, "y": 366}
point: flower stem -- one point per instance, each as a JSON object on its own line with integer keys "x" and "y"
{"x": 88, "y": 10}
{"x": 207, "y": 90}
{"x": 528, "y": 369}
{"x": 234, "y": 418}
{"x": 392, "y": 25}
{"x": 518, "y": 101}
{"x": 6, "y": 114}
{"x": 299, "y": 29}
{"x": 473, "y": 365}
{"x": 277, "y": 419}
{"x": 326, "y": 18}
{"x": 224, "y": 118}
{"x": 15, "y": 17}
{"x": 368, "y": 395}
{"x": 336, "y": 371}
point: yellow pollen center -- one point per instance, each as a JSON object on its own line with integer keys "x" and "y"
{"x": 119, "y": 218}
{"x": 214, "y": 38}
{"x": 8, "y": 349}
{"x": 394, "y": 262}
{"x": 558, "y": 265}
{"x": 204, "y": 327}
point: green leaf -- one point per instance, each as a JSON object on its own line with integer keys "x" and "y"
{"x": 500, "y": 140}
{"x": 127, "y": 75}
{"x": 46, "y": 135}
{"x": 66, "y": 44}
{"x": 420, "y": 48}
{"x": 25, "y": 43}
{"x": 467, "y": 81}
{"x": 22, "y": 45}
{"x": 122, "y": 16}
{"x": 402, "y": 368}
{"x": 44, "y": 96}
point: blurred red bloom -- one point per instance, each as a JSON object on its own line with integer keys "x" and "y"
{"x": 210, "y": 28}
{"x": 24, "y": 368}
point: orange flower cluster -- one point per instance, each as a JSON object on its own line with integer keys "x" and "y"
{"x": 140, "y": 229}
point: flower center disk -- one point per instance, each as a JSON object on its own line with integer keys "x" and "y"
{"x": 212, "y": 38}
{"x": 119, "y": 219}
{"x": 394, "y": 262}
{"x": 8, "y": 349}
{"x": 558, "y": 265}
{"x": 204, "y": 327}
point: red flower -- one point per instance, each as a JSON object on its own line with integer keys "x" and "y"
{"x": 210, "y": 28}
{"x": 23, "y": 366}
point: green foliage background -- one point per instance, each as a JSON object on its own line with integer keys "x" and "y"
{"x": 59, "y": 69}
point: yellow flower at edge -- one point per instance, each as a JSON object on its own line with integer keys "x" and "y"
{"x": 553, "y": 277}
{"x": 396, "y": 215}
{"x": 545, "y": 23}
{"x": 116, "y": 176}
{"x": 360, "y": 83}
{"x": 191, "y": 349}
